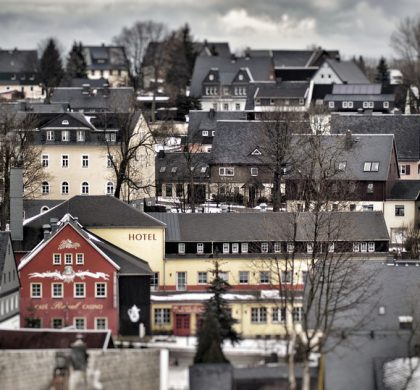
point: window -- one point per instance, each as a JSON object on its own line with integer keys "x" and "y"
{"x": 80, "y": 258}
{"x": 371, "y": 246}
{"x": 259, "y": 315}
{"x": 227, "y": 171}
{"x": 57, "y": 323}
{"x": 101, "y": 323}
{"x": 286, "y": 276}
{"x": 68, "y": 258}
{"x": 406, "y": 322}
{"x": 36, "y": 290}
{"x": 363, "y": 247}
{"x": 100, "y": 290}
{"x": 179, "y": 190}
{"x": 342, "y": 166}
{"x": 211, "y": 77}
{"x": 297, "y": 314}
{"x": 65, "y": 160}
{"x": 80, "y": 136}
{"x": 370, "y": 188}
{"x": 65, "y": 136}
{"x": 244, "y": 247}
{"x": 403, "y": 169}
{"x": 200, "y": 248}
{"x": 65, "y": 122}
{"x": 399, "y": 210}
{"x": 371, "y": 166}
{"x": 264, "y": 277}
{"x": 85, "y": 161}
{"x": 64, "y": 188}
{"x": 110, "y": 188}
{"x": 110, "y": 137}
{"x": 367, "y": 207}
{"x": 290, "y": 247}
{"x": 331, "y": 104}
{"x": 309, "y": 247}
{"x": 356, "y": 247}
{"x": 162, "y": 316}
{"x": 168, "y": 190}
{"x": 226, "y": 247}
{"x": 45, "y": 187}
{"x": 174, "y": 169}
{"x": 386, "y": 104}
{"x": 279, "y": 314}
{"x": 181, "y": 281}
{"x": 226, "y": 107}
{"x": 154, "y": 281}
{"x": 202, "y": 277}
{"x": 56, "y": 258}
{"x": 181, "y": 248}
{"x": 235, "y": 247}
{"x": 80, "y": 323}
{"x": 85, "y": 188}
{"x": 79, "y": 290}
{"x": 224, "y": 276}
{"x": 254, "y": 171}
{"x": 243, "y": 277}
{"x": 57, "y": 290}
{"x": 237, "y": 106}
{"x": 331, "y": 247}
{"x": 205, "y": 133}
{"x": 277, "y": 247}
{"x": 45, "y": 160}
{"x": 264, "y": 247}
{"x": 50, "y": 135}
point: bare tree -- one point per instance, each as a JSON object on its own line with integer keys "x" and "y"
{"x": 18, "y": 149}
{"x": 405, "y": 40}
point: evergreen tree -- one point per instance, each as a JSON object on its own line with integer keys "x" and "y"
{"x": 382, "y": 75}
{"x": 217, "y": 324}
{"x": 76, "y": 63}
{"x": 184, "y": 104}
{"x": 50, "y": 67}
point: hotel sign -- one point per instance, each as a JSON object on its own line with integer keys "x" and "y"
{"x": 69, "y": 306}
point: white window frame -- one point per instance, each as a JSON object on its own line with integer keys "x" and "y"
{"x": 277, "y": 247}
{"x": 38, "y": 294}
{"x": 56, "y": 258}
{"x": 264, "y": 247}
{"x": 363, "y": 247}
{"x": 85, "y": 161}
{"x": 81, "y": 136}
{"x": 226, "y": 171}
{"x": 205, "y": 133}
{"x": 226, "y": 247}
{"x": 235, "y": 247}
{"x": 97, "y": 319}
{"x": 244, "y": 247}
{"x": 53, "y": 295}
{"x": 265, "y": 277}
{"x": 45, "y": 188}
{"x": 84, "y": 188}
{"x": 45, "y": 160}
{"x": 356, "y": 246}
{"x": 309, "y": 247}
{"x": 50, "y": 135}
{"x": 162, "y": 316}
{"x": 75, "y": 290}
{"x": 181, "y": 286}
{"x": 278, "y": 315}
{"x": 297, "y": 314}
{"x": 65, "y": 188}
{"x": 65, "y": 136}
{"x": 202, "y": 277}
{"x": 76, "y": 319}
{"x": 254, "y": 171}
{"x": 331, "y": 247}
{"x": 331, "y": 105}
{"x": 200, "y": 248}
{"x": 371, "y": 246}
{"x": 385, "y": 104}
{"x": 259, "y": 315}
{"x": 97, "y": 285}
{"x": 65, "y": 161}
{"x": 80, "y": 258}
{"x": 286, "y": 277}
{"x": 224, "y": 275}
{"x": 68, "y": 258}
{"x": 109, "y": 190}
{"x": 290, "y": 247}
{"x": 241, "y": 274}
{"x": 181, "y": 248}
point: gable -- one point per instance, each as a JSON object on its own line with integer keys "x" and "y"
{"x": 68, "y": 121}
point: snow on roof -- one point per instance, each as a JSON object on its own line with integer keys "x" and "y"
{"x": 198, "y": 297}
{"x": 398, "y": 371}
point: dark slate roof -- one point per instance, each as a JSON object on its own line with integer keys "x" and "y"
{"x": 405, "y": 190}
{"x": 261, "y": 69}
{"x": 53, "y": 339}
{"x": 94, "y": 83}
{"x": 4, "y": 239}
{"x": 110, "y": 99}
{"x": 207, "y": 120}
{"x": 283, "y": 90}
{"x": 33, "y": 207}
{"x": 292, "y": 74}
{"x": 18, "y": 61}
{"x": 348, "y": 71}
{"x": 220, "y": 49}
{"x": 245, "y": 227}
{"x": 76, "y": 120}
{"x": 178, "y": 161}
{"x": 360, "y": 98}
{"x": 395, "y": 287}
{"x": 105, "y": 57}
{"x": 406, "y": 129}
{"x": 357, "y": 89}
{"x": 92, "y": 211}
{"x": 293, "y": 58}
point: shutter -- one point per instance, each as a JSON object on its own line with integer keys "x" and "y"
{"x": 407, "y": 169}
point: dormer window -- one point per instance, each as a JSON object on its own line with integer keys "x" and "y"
{"x": 240, "y": 77}
{"x": 50, "y": 135}
{"x": 342, "y": 166}
{"x": 211, "y": 77}
{"x": 256, "y": 152}
{"x": 65, "y": 122}
{"x": 203, "y": 169}
{"x": 174, "y": 169}
{"x": 65, "y": 136}
{"x": 13, "y": 77}
{"x": 205, "y": 133}
{"x": 162, "y": 169}
{"x": 386, "y": 104}
{"x": 254, "y": 171}
{"x": 371, "y": 166}
{"x": 213, "y": 133}
{"x": 80, "y": 136}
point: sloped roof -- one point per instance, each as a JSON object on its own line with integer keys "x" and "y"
{"x": 105, "y": 57}
{"x": 245, "y": 227}
{"x": 348, "y": 71}
{"x": 76, "y": 120}
{"x": 111, "y": 99}
{"x": 4, "y": 240}
{"x": 287, "y": 89}
{"x": 292, "y": 58}
{"x": 261, "y": 69}
{"x": 18, "y": 61}
{"x": 359, "y": 98}
{"x": 405, "y": 190}
{"x": 406, "y": 129}
{"x": 177, "y": 161}
{"x": 356, "y": 89}
{"x": 92, "y": 211}
{"x": 220, "y": 49}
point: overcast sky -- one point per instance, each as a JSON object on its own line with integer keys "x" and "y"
{"x": 352, "y": 26}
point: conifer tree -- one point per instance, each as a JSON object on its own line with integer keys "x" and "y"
{"x": 76, "y": 63}
{"x": 50, "y": 67}
{"x": 217, "y": 324}
{"x": 382, "y": 75}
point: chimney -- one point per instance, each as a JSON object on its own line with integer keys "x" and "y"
{"x": 47, "y": 230}
{"x": 54, "y": 224}
{"x": 16, "y": 203}
{"x": 348, "y": 143}
{"x": 86, "y": 89}
{"x": 212, "y": 113}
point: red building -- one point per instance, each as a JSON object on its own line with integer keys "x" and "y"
{"x": 73, "y": 278}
